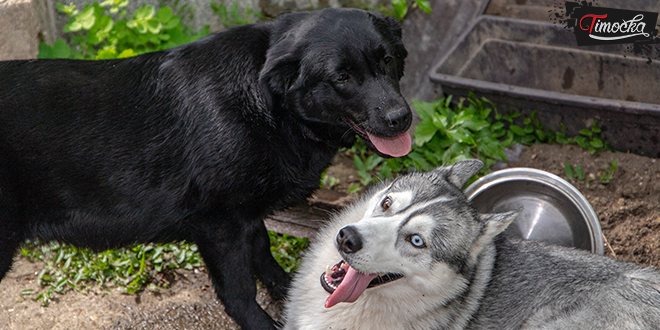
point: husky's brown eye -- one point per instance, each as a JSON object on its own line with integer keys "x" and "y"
{"x": 387, "y": 202}
{"x": 387, "y": 59}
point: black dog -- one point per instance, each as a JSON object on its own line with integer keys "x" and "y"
{"x": 196, "y": 143}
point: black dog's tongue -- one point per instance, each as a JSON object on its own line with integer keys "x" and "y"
{"x": 396, "y": 147}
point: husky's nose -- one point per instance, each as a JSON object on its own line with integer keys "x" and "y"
{"x": 349, "y": 240}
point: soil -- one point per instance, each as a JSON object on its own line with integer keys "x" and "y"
{"x": 628, "y": 208}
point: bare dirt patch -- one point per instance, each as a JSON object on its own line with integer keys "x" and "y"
{"x": 628, "y": 206}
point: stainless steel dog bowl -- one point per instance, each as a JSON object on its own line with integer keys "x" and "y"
{"x": 553, "y": 210}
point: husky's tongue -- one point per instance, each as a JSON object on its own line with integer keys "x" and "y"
{"x": 350, "y": 288}
{"x": 396, "y": 147}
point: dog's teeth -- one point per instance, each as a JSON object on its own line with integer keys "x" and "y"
{"x": 328, "y": 270}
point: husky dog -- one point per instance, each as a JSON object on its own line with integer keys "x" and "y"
{"x": 414, "y": 254}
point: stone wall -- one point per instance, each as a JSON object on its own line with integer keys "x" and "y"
{"x": 23, "y": 23}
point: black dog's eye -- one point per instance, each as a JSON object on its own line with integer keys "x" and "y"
{"x": 386, "y": 204}
{"x": 387, "y": 59}
{"x": 343, "y": 77}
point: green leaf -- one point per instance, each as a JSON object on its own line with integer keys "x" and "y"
{"x": 596, "y": 143}
{"x": 45, "y": 51}
{"x": 517, "y": 130}
{"x": 172, "y": 23}
{"x": 61, "y": 49}
{"x": 579, "y": 172}
{"x": 373, "y": 161}
{"x": 359, "y": 164}
{"x": 586, "y": 132}
{"x": 154, "y": 26}
{"x": 126, "y": 53}
{"x": 144, "y": 13}
{"x": 424, "y": 5}
{"x": 354, "y": 189}
{"x": 424, "y": 109}
{"x": 581, "y": 141}
{"x": 73, "y": 27}
{"x": 400, "y": 8}
{"x": 461, "y": 135}
{"x": 164, "y": 14}
{"x": 424, "y": 132}
{"x": 439, "y": 121}
{"x": 570, "y": 171}
{"x": 420, "y": 161}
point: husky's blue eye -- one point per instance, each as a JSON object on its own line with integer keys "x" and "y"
{"x": 416, "y": 241}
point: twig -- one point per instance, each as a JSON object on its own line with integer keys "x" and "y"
{"x": 609, "y": 246}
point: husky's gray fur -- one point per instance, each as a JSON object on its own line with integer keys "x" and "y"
{"x": 462, "y": 276}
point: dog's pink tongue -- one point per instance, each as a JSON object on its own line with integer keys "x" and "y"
{"x": 350, "y": 288}
{"x": 396, "y": 147}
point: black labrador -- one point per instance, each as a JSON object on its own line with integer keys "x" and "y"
{"x": 198, "y": 143}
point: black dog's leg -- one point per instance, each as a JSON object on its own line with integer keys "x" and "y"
{"x": 266, "y": 268}
{"x": 11, "y": 234}
{"x": 225, "y": 247}
{"x": 10, "y": 239}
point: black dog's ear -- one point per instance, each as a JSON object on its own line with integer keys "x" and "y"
{"x": 282, "y": 65}
{"x": 386, "y": 22}
{"x": 389, "y": 28}
{"x": 279, "y": 70}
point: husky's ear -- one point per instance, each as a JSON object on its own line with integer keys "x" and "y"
{"x": 462, "y": 171}
{"x": 494, "y": 224}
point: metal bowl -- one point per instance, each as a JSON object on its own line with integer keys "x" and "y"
{"x": 553, "y": 210}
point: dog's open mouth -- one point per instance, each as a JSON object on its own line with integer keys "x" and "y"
{"x": 393, "y": 146}
{"x": 345, "y": 284}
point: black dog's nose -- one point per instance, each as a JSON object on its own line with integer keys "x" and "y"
{"x": 349, "y": 240}
{"x": 399, "y": 119}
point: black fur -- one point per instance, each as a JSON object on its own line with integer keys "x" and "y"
{"x": 197, "y": 143}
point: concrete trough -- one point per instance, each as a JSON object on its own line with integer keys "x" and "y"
{"x": 527, "y": 65}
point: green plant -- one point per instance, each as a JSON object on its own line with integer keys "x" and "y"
{"x": 132, "y": 269}
{"x": 400, "y": 7}
{"x": 365, "y": 165}
{"x": 450, "y": 132}
{"x": 588, "y": 139}
{"x": 105, "y": 31}
{"x": 607, "y": 173}
{"x": 447, "y": 133}
{"x": 354, "y": 189}
{"x": 570, "y": 171}
{"x": 287, "y": 250}
{"x": 129, "y": 269}
{"x": 232, "y": 17}
{"x": 573, "y": 172}
{"x": 328, "y": 181}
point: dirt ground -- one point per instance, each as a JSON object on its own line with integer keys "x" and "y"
{"x": 628, "y": 208}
